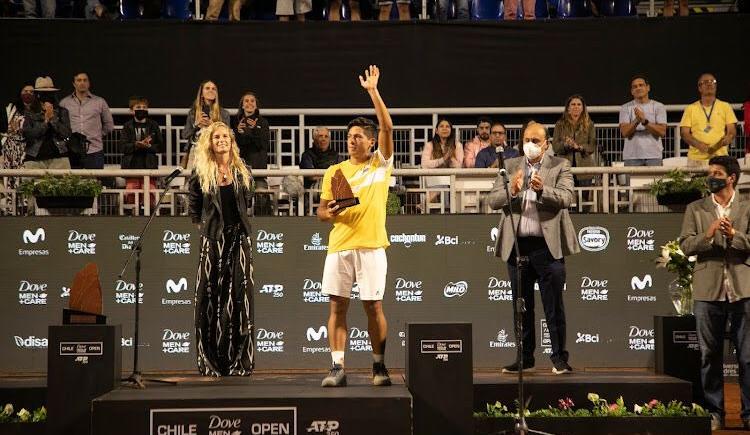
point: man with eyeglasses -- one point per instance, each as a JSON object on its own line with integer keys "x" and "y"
{"x": 708, "y": 125}
{"x": 487, "y": 158}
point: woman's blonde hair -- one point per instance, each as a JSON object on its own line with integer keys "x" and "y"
{"x": 215, "y": 110}
{"x": 205, "y": 160}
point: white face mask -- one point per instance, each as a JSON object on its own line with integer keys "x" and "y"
{"x": 531, "y": 150}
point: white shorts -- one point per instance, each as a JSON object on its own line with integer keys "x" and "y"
{"x": 366, "y": 267}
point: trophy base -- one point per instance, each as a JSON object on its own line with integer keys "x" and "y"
{"x": 347, "y": 202}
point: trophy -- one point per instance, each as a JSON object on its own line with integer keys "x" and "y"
{"x": 342, "y": 191}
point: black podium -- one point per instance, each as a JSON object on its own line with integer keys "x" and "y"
{"x": 83, "y": 362}
{"x": 439, "y": 376}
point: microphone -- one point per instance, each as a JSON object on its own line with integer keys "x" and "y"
{"x": 500, "y": 159}
{"x": 176, "y": 173}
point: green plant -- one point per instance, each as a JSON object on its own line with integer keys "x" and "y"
{"x": 23, "y": 416}
{"x": 67, "y": 185}
{"x": 393, "y": 205}
{"x": 674, "y": 260}
{"x": 677, "y": 181}
{"x": 674, "y": 408}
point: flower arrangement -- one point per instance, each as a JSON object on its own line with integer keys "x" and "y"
{"x": 23, "y": 416}
{"x": 676, "y": 188}
{"x": 600, "y": 408}
{"x": 67, "y": 185}
{"x": 681, "y": 289}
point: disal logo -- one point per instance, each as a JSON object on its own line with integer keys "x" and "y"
{"x": 593, "y": 238}
{"x": 31, "y": 342}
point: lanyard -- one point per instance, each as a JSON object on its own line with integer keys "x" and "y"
{"x": 708, "y": 115}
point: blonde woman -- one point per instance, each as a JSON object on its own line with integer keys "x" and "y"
{"x": 205, "y": 110}
{"x": 221, "y": 191}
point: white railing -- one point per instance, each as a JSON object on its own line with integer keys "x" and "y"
{"x": 465, "y": 194}
{"x": 288, "y": 142}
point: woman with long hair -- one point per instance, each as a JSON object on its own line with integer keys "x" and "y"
{"x": 221, "y": 190}
{"x": 206, "y": 109}
{"x": 443, "y": 151}
{"x": 254, "y": 141}
{"x": 575, "y": 139}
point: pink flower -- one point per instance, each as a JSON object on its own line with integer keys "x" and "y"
{"x": 566, "y": 403}
{"x": 613, "y": 407}
{"x": 653, "y": 403}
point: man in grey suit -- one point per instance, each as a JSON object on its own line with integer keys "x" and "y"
{"x": 715, "y": 229}
{"x": 541, "y": 190}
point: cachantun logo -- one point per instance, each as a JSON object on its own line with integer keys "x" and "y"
{"x": 408, "y": 239}
{"x": 499, "y": 290}
{"x": 408, "y": 291}
{"x": 316, "y": 244}
{"x": 269, "y": 341}
{"x": 269, "y": 243}
{"x": 594, "y": 289}
{"x": 30, "y": 293}
{"x": 593, "y": 238}
{"x": 81, "y": 243}
{"x": 176, "y": 243}
{"x": 175, "y": 341}
{"x": 455, "y": 289}
{"x": 34, "y": 237}
{"x": 311, "y": 292}
{"x": 640, "y": 240}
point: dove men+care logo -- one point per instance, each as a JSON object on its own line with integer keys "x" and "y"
{"x": 311, "y": 292}
{"x": 640, "y": 339}
{"x": 81, "y": 243}
{"x": 594, "y": 289}
{"x": 408, "y": 290}
{"x": 176, "y": 243}
{"x": 267, "y": 242}
{"x": 268, "y": 341}
{"x": 125, "y": 292}
{"x": 177, "y": 292}
{"x": 640, "y": 285}
{"x": 317, "y": 340}
{"x": 31, "y": 293}
{"x": 640, "y": 239}
{"x": 175, "y": 342}
{"x": 499, "y": 290}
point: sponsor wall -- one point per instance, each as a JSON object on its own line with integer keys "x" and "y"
{"x": 441, "y": 268}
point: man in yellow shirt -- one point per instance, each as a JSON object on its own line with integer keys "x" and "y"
{"x": 356, "y": 246}
{"x": 708, "y": 125}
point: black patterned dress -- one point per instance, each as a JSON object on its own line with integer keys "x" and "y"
{"x": 224, "y": 315}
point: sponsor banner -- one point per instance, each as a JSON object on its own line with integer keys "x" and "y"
{"x": 34, "y": 243}
{"x": 316, "y": 244}
{"x": 317, "y": 340}
{"x": 268, "y": 242}
{"x": 640, "y": 286}
{"x": 80, "y": 243}
{"x": 640, "y": 239}
{"x": 640, "y": 339}
{"x": 593, "y": 239}
{"x": 177, "y": 292}
{"x": 502, "y": 340}
{"x": 32, "y": 293}
{"x": 176, "y": 342}
{"x": 176, "y": 243}
{"x": 408, "y": 240}
{"x": 406, "y": 290}
{"x": 224, "y": 421}
{"x": 269, "y": 341}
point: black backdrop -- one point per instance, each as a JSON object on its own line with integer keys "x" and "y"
{"x": 314, "y": 64}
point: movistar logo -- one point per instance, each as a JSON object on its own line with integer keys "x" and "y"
{"x": 640, "y": 284}
{"x": 38, "y": 236}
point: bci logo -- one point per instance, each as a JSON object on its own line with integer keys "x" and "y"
{"x": 446, "y": 240}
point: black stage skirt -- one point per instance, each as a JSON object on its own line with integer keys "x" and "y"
{"x": 224, "y": 311}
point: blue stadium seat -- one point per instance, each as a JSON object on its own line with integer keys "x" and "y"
{"x": 541, "y": 9}
{"x": 486, "y": 9}
{"x": 618, "y": 8}
{"x": 573, "y": 8}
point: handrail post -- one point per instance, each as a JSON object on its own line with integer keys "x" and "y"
{"x": 605, "y": 194}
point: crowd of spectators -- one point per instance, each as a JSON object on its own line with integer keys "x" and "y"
{"x": 331, "y": 10}
{"x": 40, "y": 130}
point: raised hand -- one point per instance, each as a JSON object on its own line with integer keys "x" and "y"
{"x": 370, "y": 80}
{"x": 516, "y": 183}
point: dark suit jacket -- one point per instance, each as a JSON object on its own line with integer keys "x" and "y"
{"x": 708, "y": 272}
{"x": 205, "y": 207}
{"x": 557, "y": 195}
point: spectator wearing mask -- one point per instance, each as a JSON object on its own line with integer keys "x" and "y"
{"x": 487, "y": 158}
{"x": 46, "y": 129}
{"x": 11, "y": 130}
{"x": 140, "y": 141}
{"x": 480, "y": 142}
{"x": 90, "y": 116}
{"x": 707, "y": 125}
{"x": 206, "y": 110}
{"x": 320, "y": 156}
{"x": 254, "y": 141}
{"x": 643, "y": 122}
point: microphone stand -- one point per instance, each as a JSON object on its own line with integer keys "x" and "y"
{"x": 519, "y": 308}
{"x": 136, "y": 380}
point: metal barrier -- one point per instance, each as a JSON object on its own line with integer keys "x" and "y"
{"x": 465, "y": 194}
{"x": 289, "y": 141}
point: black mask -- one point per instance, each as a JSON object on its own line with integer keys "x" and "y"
{"x": 716, "y": 184}
{"x": 140, "y": 114}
